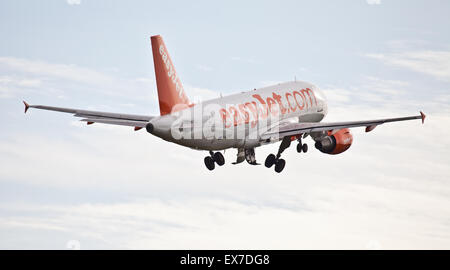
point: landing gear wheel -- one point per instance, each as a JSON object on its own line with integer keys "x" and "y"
{"x": 270, "y": 160}
{"x": 305, "y": 148}
{"x": 209, "y": 162}
{"x": 279, "y": 165}
{"x": 219, "y": 159}
{"x": 302, "y": 148}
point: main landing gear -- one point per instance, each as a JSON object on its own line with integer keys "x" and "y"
{"x": 213, "y": 158}
{"x": 276, "y": 160}
{"x": 279, "y": 162}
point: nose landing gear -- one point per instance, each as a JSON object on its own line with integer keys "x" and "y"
{"x": 213, "y": 158}
{"x": 301, "y": 147}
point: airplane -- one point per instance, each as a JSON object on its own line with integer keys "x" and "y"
{"x": 285, "y": 112}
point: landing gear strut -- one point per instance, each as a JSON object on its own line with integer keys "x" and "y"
{"x": 213, "y": 158}
{"x": 276, "y": 160}
{"x": 246, "y": 154}
{"x": 301, "y": 147}
{"x": 250, "y": 156}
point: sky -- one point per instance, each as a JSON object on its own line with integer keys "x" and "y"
{"x": 65, "y": 185}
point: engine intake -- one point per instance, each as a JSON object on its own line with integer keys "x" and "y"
{"x": 326, "y": 144}
{"x": 149, "y": 127}
{"x": 335, "y": 143}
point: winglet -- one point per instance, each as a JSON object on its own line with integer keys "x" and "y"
{"x": 423, "y": 116}
{"x": 26, "y": 106}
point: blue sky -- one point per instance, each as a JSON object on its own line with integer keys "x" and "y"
{"x": 111, "y": 187}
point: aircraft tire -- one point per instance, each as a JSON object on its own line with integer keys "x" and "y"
{"x": 279, "y": 165}
{"x": 209, "y": 162}
{"x": 305, "y": 148}
{"x": 270, "y": 160}
{"x": 219, "y": 159}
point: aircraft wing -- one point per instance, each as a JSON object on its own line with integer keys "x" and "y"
{"x": 136, "y": 121}
{"x": 291, "y": 129}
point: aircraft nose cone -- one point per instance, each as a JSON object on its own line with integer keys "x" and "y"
{"x": 149, "y": 127}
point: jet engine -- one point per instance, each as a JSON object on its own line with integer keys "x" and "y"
{"x": 335, "y": 143}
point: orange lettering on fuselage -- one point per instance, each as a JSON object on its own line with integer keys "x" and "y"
{"x": 280, "y": 104}
{"x": 309, "y": 91}
{"x": 302, "y": 98}
{"x": 236, "y": 116}
{"x": 244, "y": 112}
{"x": 225, "y": 117}
{"x": 292, "y": 109}
{"x": 252, "y": 111}
{"x": 270, "y": 104}
{"x": 263, "y": 112}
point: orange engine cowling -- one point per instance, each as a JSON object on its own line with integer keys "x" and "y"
{"x": 335, "y": 143}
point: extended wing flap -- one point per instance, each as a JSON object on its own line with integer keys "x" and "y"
{"x": 115, "y": 122}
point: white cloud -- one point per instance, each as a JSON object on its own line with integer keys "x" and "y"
{"x": 337, "y": 95}
{"x": 20, "y": 82}
{"x": 335, "y": 216}
{"x": 197, "y": 94}
{"x": 373, "y": 2}
{"x": 204, "y": 67}
{"x": 73, "y": 2}
{"x": 390, "y": 88}
{"x": 315, "y": 203}
{"x": 63, "y": 71}
{"x": 146, "y": 80}
{"x": 407, "y": 44}
{"x": 387, "y": 181}
{"x": 35, "y": 81}
{"x": 242, "y": 59}
{"x": 13, "y": 85}
{"x": 434, "y": 63}
{"x": 372, "y": 89}
{"x": 269, "y": 83}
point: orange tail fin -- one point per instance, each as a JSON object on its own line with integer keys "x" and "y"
{"x": 170, "y": 90}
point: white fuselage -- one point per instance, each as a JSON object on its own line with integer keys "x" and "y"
{"x": 238, "y": 120}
